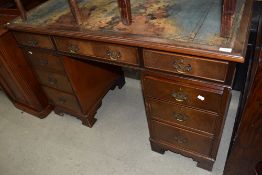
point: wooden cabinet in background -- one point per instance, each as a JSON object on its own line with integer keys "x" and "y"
{"x": 16, "y": 77}
{"x": 245, "y": 153}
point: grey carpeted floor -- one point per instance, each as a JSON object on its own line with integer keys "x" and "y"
{"x": 116, "y": 145}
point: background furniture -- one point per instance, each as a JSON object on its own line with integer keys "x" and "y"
{"x": 245, "y": 154}
{"x": 227, "y": 17}
{"x": 187, "y": 67}
{"x": 16, "y": 77}
{"x": 28, "y": 4}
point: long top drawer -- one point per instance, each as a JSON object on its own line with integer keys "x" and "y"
{"x": 111, "y": 52}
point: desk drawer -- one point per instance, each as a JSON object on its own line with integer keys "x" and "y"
{"x": 54, "y": 80}
{"x": 185, "y": 94}
{"x": 193, "y": 66}
{"x": 62, "y": 99}
{"x": 112, "y": 52}
{"x": 183, "y": 116}
{"x": 44, "y": 60}
{"x": 181, "y": 138}
{"x": 34, "y": 40}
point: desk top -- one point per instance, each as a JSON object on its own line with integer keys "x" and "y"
{"x": 172, "y": 25}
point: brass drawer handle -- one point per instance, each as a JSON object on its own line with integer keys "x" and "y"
{"x": 61, "y": 100}
{"x": 43, "y": 62}
{"x": 180, "y": 117}
{"x": 181, "y": 67}
{"x": 113, "y": 55}
{"x": 73, "y": 49}
{"x": 180, "y": 139}
{"x": 52, "y": 81}
{"x": 32, "y": 43}
{"x": 180, "y": 96}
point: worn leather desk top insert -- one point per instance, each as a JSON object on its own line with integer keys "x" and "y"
{"x": 183, "y": 23}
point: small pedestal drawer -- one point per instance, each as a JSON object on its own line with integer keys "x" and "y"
{"x": 181, "y": 138}
{"x": 44, "y": 60}
{"x": 182, "y": 116}
{"x": 54, "y": 80}
{"x": 61, "y": 99}
{"x": 185, "y": 94}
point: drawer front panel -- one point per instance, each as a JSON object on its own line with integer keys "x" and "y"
{"x": 182, "y": 116}
{"x": 54, "y": 80}
{"x": 44, "y": 60}
{"x": 62, "y": 99}
{"x": 34, "y": 40}
{"x": 193, "y": 66}
{"x": 182, "y": 94}
{"x": 181, "y": 138}
{"x": 112, "y": 52}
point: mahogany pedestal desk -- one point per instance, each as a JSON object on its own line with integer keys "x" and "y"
{"x": 187, "y": 67}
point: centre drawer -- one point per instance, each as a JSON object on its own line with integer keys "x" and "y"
{"x": 180, "y": 138}
{"x": 112, "y": 52}
{"x": 182, "y": 116}
{"x": 54, "y": 80}
{"x": 185, "y": 94}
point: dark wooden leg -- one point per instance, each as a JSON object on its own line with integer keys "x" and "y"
{"x": 21, "y": 9}
{"x": 59, "y": 112}
{"x": 90, "y": 119}
{"x": 157, "y": 148}
{"x": 125, "y": 11}
{"x": 228, "y": 11}
{"x": 207, "y": 165}
{"x": 75, "y": 11}
{"x": 89, "y": 122}
{"x": 121, "y": 81}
